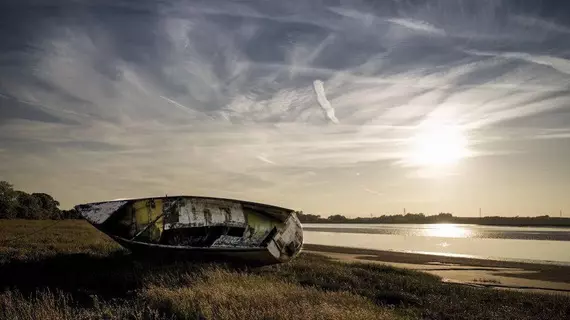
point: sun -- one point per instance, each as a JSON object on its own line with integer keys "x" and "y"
{"x": 437, "y": 145}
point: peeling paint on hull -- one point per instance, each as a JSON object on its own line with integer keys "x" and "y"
{"x": 200, "y": 228}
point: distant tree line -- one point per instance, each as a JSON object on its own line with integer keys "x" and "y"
{"x": 17, "y": 204}
{"x": 420, "y": 218}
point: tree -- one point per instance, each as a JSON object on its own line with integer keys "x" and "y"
{"x": 7, "y": 200}
{"x": 337, "y": 218}
{"x": 70, "y": 214}
{"x": 308, "y": 218}
{"x": 48, "y": 205}
{"x": 28, "y": 206}
{"x": 19, "y": 204}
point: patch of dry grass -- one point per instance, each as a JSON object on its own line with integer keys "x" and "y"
{"x": 46, "y": 305}
{"x": 27, "y": 240}
{"x": 221, "y": 294}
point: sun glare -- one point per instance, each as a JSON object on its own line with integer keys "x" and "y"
{"x": 437, "y": 146}
{"x": 447, "y": 231}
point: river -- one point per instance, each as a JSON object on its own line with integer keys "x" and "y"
{"x": 531, "y": 244}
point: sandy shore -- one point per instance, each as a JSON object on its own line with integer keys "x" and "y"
{"x": 476, "y": 272}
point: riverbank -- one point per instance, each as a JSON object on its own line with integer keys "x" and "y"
{"x": 410, "y": 218}
{"x": 471, "y": 271}
{"x": 69, "y": 270}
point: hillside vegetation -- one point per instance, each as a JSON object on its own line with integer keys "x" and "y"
{"x": 420, "y": 218}
{"x": 17, "y": 204}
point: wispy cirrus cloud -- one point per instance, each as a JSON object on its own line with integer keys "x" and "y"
{"x": 374, "y": 192}
{"x": 417, "y": 25}
{"x": 559, "y": 64}
{"x": 143, "y": 97}
{"x": 534, "y": 22}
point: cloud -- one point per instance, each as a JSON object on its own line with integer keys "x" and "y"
{"x": 560, "y": 64}
{"x": 554, "y": 136}
{"x": 533, "y": 22}
{"x": 373, "y": 192}
{"x": 553, "y": 133}
{"x": 179, "y": 106}
{"x": 264, "y": 159}
{"x": 323, "y": 101}
{"x": 417, "y": 25}
{"x": 131, "y": 99}
{"x": 13, "y": 108}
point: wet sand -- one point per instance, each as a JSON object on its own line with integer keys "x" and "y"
{"x": 469, "y": 271}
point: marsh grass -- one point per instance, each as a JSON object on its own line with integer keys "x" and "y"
{"x": 222, "y": 294}
{"x": 72, "y": 271}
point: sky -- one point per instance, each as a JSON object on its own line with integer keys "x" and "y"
{"x": 330, "y": 107}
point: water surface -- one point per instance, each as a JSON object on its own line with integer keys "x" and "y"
{"x": 492, "y": 242}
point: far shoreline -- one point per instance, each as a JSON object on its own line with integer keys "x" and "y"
{"x": 420, "y": 218}
{"x": 564, "y": 226}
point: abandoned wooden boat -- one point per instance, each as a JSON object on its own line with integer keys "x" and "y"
{"x": 200, "y": 228}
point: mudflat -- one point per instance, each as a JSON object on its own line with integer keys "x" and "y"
{"x": 471, "y": 271}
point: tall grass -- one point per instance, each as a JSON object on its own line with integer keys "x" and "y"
{"x": 27, "y": 240}
{"x": 47, "y": 305}
{"x": 221, "y": 294}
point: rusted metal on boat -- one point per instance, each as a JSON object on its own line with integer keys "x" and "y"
{"x": 200, "y": 228}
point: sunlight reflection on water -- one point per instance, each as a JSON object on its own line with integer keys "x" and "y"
{"x": 445, "y": 239}
{"x": 448, "y": 231}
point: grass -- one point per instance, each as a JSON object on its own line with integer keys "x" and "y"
{"x": 72, "y": 271}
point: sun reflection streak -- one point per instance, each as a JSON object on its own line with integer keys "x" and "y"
{"x": 447, "y": 230}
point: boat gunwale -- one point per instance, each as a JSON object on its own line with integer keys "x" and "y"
{"x": 186, "y": 196}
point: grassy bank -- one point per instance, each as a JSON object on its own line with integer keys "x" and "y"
{"x": 69, "y": 270}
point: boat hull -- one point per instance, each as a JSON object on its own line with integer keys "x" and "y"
{"x": 235, "y": 256}
{"x": 199, "y": 228}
